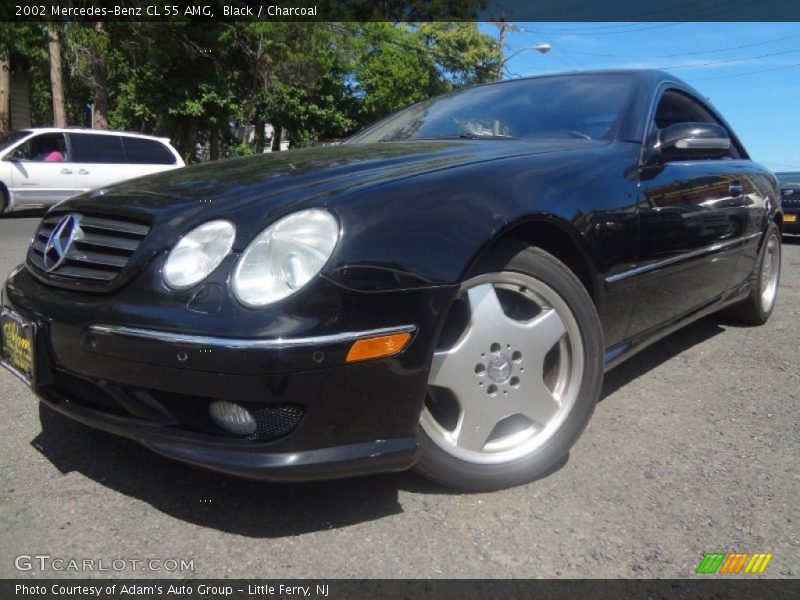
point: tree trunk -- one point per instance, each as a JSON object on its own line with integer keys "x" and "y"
{"x": 100, "y": 73}
{"x": 276, "y": 138}
{"x": 190, "y": 152}
{"x": 56, "y": 79}
{"x": 213, "y": 142}
{"x": 5, "y": 92}
{"x": 260, "y": 136}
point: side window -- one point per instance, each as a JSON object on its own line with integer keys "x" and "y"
{"x": 677, "y": 107}
{"x": 147, "y": 152}
{"x": 47, "y": 147}
{"x": 97, "y": 148}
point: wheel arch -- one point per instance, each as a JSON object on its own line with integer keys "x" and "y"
{"x": 778, "y": 220}
{"x": 551, "y": 236}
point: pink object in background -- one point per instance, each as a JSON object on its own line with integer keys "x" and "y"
{"x": 54, "y": 156}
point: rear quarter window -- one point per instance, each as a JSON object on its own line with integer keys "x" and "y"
{"x": 90, "y": 148}
{"x": 147, "y": 152}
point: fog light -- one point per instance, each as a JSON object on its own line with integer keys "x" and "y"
{"x": 232, "y": 418}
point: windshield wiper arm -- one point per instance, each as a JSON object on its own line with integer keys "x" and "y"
{"x": 469, "y": 135}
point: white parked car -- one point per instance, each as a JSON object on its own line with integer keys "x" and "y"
{"x": 41, "y": 167}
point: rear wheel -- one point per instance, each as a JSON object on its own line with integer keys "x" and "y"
{"x": 3, "y": 199}
{"x": 757, "y": 307}
{"x": 515, "y": 375}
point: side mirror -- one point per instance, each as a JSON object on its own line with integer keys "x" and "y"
{"x": 16, "y": 156}
{"x": 688, "y": 141}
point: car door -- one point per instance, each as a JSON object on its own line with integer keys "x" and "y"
{"x": 693, "y": 220}
{"x": 41, "y": 171}
{"x": 99, "y": 159}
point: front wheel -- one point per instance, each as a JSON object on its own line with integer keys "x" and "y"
{"x": 515, "y": 375}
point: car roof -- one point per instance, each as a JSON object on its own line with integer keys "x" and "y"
{"x": 654, "y": 75}
{"x": 132, "y": 134}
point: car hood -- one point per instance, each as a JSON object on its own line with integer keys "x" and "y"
{"x": 276, "y": 180}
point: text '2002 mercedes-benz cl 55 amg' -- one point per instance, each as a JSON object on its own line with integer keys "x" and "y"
{"x": 445, "y": 289}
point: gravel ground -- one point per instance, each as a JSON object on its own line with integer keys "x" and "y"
{"x": 693, "y": 448}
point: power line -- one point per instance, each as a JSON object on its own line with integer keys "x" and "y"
{"x": 714, "y": 51}
{"x": 733, "y": 60}
{"x": 746, "y": 73}
{"x": 565, "y": 54}
{"x": 594, "y": 31}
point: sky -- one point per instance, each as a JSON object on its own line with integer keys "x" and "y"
{"x": 749, "y": 71}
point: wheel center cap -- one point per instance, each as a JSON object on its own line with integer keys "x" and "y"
{"x": 499, "y": 369}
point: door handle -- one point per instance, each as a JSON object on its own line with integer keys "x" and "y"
{"x": 736, "y": 189}
{"x": 66, "y": 172}
{"x": 83, "y": 172}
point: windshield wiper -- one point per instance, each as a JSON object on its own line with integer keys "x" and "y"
{"x": 469, "y": 135}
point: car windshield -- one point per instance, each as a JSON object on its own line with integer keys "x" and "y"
{"x": 788, "y": 179}
{"x": 586, "y": 106}
{"x": 11, "y": 137}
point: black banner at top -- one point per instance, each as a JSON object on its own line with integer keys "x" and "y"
{"x": 401, "y": 10}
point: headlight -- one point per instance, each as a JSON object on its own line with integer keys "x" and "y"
{"x": 285, "y": 256}
{"x": 198, "y": 253}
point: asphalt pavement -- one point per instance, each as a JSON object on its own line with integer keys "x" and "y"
{"x": 693, "y": 448}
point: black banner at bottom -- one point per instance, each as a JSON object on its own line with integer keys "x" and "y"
{"x": 379, "y": 589}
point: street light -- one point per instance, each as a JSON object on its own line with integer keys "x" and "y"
{"x": 540, "y": 48}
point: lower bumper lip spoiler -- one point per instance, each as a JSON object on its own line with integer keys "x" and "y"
{"x": 258, "y": 462}
{"x": 245, "y": 343}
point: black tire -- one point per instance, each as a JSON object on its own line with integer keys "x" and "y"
{"x": 437, "y": 464}
{"x": 3, "y": 199}
{"x": 752, "y": 310}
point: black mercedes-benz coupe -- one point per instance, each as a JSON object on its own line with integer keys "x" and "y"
{"x": 445, "y": 289}
{"x": 790, "y": 199}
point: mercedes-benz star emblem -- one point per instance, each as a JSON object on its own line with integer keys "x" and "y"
{"x": 59, "y": 242}
{"x": 500, "y": 369}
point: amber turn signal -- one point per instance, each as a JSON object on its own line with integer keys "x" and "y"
{"x": 377, "y": 347}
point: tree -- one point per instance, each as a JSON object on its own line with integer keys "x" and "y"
{"x": 205, "y": 84}
{"x": 402, "y": 64}
{"x": 88, "y": 47}
{"x": 297, "y": 79}
{"x": 21, "y": 47}
{"x": 56, "y": 79}
{"x": 5, "y": 90}
{"x": 464, "y": 55}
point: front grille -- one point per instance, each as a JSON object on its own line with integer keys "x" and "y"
{"x": 792, "y": 199}
{"x": 90, "y": 248}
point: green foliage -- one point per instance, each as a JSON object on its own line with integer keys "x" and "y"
{"x": 241, "y": 150}
{"x": 195, "y": 82}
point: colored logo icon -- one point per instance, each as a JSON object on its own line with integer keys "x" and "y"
{"x": 734, "y": 562}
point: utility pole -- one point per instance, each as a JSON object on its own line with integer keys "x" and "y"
{"x": 503, "y": 27}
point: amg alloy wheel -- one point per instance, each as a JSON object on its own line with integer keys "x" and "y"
{"x": 757, "y": 307}
{"x": 770, "y": 273}
{"x": 514, "y": 377}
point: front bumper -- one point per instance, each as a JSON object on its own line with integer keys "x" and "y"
{"x": 97, "y": 365}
